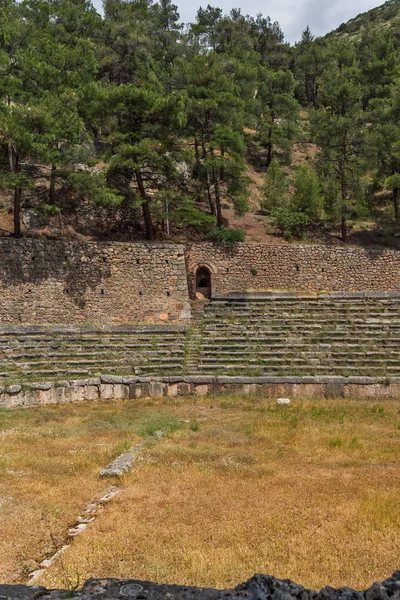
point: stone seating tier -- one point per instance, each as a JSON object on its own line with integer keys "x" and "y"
{"x": 256, "y": 335}
{"x": 283, "y": 335}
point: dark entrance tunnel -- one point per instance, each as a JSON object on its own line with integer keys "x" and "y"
{"x": 203, "y": 282}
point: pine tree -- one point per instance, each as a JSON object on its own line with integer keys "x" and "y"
{"x": 143, "y": 143}
{"x": 338, "y": 130}
{"x": 275, "y": 188}
{"x": 307, "y": 196}
{"x": 309, "y": 64}
{"x": 277, "y": 112}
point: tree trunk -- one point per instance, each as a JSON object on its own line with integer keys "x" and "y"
{"x": 197, "y": 158}
{"x": 217, "y": 200}
{"x": 209, "y": 195}
{"x": 52, "y": 191}
{"x": 148, "y": 221}
{"x": 10, "y": 157}
{"x": 222, "y": 170}
{"x": 396, "y": 193}
{"x": 344, "y": 201}
{"x": 269, "y": 148}
{"x": 344, "y": 228}
{"x": 14, "y": 165}
{"x": 17, "y": 212}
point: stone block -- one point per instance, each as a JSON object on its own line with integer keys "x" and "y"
{"x": 58, "y": 395}
{"x": 111, "y": 379}
{"x": 45, "y": 397}
{"x": 199, "y": 379}
{"x": 334, "y": 390}
{"x": 172, "y": 390}
{"x": 156, "y": 389}
{"x": 309, "y": 390}
{"x": 14, "y": 389}
{"x": 92, "y": 392}
{"x": 201, "y": 390}
{"x": 74, "y": 394}
{"x": 43, "y": 386}
{"x": 186, "y": 389}
{"x": 106, "y": 391}
{"x": 251, "y": 389}
{"x": 120, "y": 392}
{"x": 139, "y": 390}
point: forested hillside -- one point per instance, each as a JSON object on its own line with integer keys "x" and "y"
{"x": 133, "y": 125}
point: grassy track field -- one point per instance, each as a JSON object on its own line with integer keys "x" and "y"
{"x": 310, "y": 492}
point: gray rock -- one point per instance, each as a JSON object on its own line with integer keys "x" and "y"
{"x": 32, "y": 220}
{"x": 111, "y": 379}
{"x": 259, "y": 587}
{"x": 43, "y": 386}
{"x": 14, "y": 389}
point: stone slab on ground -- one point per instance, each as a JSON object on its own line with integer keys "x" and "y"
{"x": 123, "y": 463}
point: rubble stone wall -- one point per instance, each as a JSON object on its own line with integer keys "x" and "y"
{"x": 45, "y": 281}
{"x": 263, "y": 267}
{"x": 67, "y": 282}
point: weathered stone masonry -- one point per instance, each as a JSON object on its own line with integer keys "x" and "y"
{"x": 67, "y": 282}
{"x": 263, "y": 267}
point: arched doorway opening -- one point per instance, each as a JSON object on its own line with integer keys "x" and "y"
{"x": 203, "y": 282}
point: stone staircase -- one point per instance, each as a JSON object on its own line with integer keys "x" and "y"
{"x": 194, "y": 338}
{"x": 248, "y": 335}
{"x": 286, "y": 335}
{"x": 34, "y": 353}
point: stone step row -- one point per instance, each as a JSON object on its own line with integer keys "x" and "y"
{"x": 290, "y": 297}
{"x": 89, "y": 342}
{"x": 252, "y": 344}
{"x": 311, "y": 337}
{"x": 306, "y": 354}
{"x": 291, "y": 370}
{"x": 16, "y": 356}
{"x": 292, "y": 304}
{"x": 164, "y": 360}
{"x": 287, "y": 324}
{"x": 301, "y": 308}
{"x": 56, "y": 373}
{"x": 276, "y": 360}
{"x": 303, "y": 318}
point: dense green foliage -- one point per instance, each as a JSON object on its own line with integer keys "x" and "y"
{"x": 132, "y": 109}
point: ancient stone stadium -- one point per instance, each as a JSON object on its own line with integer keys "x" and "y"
{"x": 102, "y": 320}
{"x": 137, "y": 321}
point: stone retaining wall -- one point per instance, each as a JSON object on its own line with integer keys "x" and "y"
{"x": 44, "y": 281}
{"x": 263, "y": 267}
{"x": 111, "y": 387}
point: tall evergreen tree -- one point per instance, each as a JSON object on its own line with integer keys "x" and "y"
{"x": 338, "y": 131}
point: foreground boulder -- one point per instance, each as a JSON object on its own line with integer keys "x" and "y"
{"x": 259, "y": 587}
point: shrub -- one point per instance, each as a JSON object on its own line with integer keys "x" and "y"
{"x": 275, "y": 189}
{"x": 307, "y": 197}
{"x": 227, "y": 237}
{"x": 291, "y": 223}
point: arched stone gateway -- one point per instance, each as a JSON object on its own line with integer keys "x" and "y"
{"x": 203, "y": 282}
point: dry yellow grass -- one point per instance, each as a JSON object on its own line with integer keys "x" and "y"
{"x": 49, "y": 464}
{"x": 309, "y": 492}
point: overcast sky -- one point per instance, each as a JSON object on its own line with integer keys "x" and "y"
{"x": 293, "y": 15}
